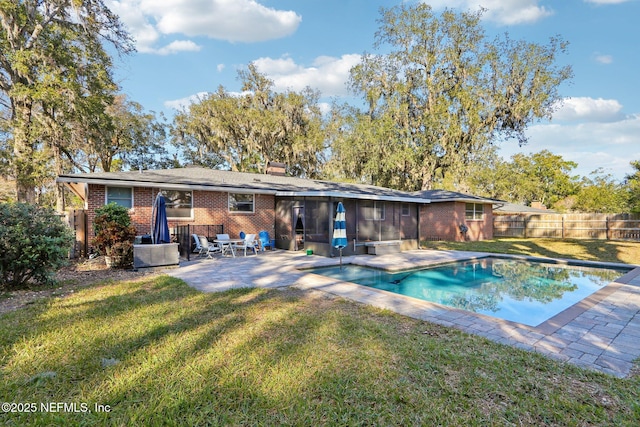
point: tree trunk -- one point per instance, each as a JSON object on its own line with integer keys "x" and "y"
{"x": 23, "y": 151}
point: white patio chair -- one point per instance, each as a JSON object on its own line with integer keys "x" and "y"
{"x": 207, "y": 248}
{"x": 249, "y": 242}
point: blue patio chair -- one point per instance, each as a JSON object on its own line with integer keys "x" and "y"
{"x": 265, "y": 241}
{"x": 242, "y": 234}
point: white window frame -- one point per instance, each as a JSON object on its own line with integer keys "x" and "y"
{"x": 107, "y": 200}
{"x": 476, "y": 213}
{"x": 178, "y": 218}
{"x": 230, "y": 204}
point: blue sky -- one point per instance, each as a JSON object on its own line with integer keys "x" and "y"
{"x": 190, "y": 47}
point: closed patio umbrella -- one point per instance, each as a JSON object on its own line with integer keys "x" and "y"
{"x": 159, "y": 224}
{"x": 339, "y": 240}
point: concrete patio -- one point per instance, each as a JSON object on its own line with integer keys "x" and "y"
{"x": 601, "y": 332}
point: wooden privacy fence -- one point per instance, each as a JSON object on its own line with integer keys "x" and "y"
{"x": 569, "y": 226}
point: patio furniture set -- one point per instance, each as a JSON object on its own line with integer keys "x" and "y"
{"x": 224, "y": 245}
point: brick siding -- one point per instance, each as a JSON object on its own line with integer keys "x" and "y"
{"x": 209, "y": 208}
{"x": 442, "y": 220}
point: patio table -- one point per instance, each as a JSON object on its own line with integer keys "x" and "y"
{"x": 228, "y": 246}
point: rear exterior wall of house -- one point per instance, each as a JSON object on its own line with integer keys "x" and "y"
{"x": 208, "y": 208}
{"x": 442, "y": 221}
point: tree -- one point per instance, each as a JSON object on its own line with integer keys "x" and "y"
{"x": 601, "y": 194}
{"x": 130, "y": 138}
{"x": 52, "y": 59}
{"x": 541, "y": 177}
{"x": 244, "y": 132}
{"x": 442, "y": 93}
{"x": 633, "y": 187}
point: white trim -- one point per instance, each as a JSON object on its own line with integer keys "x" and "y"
{"x": 168, "y": 186}
{"x": 344, "y": 195}
{"x": 245, "y": 190}
{"x": 191, "y": 216}
{"x": 253, "y": 204}
{"x": 106, "y": 194}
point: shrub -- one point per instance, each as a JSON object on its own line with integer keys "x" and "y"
{"x": 114, "y": 234}
{"x": 34, "y": 243}
{"x": 111, "y": 213}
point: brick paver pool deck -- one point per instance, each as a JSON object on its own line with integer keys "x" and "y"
{"x": 602, "y": 332}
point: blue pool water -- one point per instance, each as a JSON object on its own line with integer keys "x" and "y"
{"x": 520, "y": 291}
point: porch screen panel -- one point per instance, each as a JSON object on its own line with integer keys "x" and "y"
{"x": 369, "y": 213}
{"x": 317, "y": 220}
{"x": 409, "y": 221}
{"x": 390, "y": 225}
{"x": 283, "y": 219}
{"x": 351, "y": 217}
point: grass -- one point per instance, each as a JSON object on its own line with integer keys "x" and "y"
{"x": 158, "y": 352}
{"x": 591, "y": 250}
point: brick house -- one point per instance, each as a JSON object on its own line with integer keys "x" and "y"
{"x": 298, "y": 213}
{"x": 448, "y": 211}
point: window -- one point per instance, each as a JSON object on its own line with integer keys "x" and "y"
{"x": 179, "y": 203}
{"x": 406, "y": 209}
{"x": 473, "y": 211}
{"x": 241, "y": 202}
{"x": 373, "y": 211}
{"x": 122, "y": 196}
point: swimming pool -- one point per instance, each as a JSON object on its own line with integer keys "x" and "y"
{"x": 521, "y": 291}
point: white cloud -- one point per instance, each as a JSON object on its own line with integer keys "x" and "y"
{"x": 589, "y": 109}
{"x": 327, "y": 74}
{"x": 231, "y": 20}
{"x": 220, "y": 67}
{"x": 606, "y": 1}
{"x": 604, "y": 59}
{"x": 611, "y": 146}
{"x": 506, "y": 12}
{"x": 179, "y": 104}
{"x": 178, "y": 46}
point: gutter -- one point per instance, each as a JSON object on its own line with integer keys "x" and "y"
{"x": 72, "y": 182}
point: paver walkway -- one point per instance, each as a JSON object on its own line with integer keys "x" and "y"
{"x": 602, "y": 332}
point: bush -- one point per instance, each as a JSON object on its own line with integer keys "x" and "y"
{"x": 111, "y": 213}
{"x": 114, "y": 234}
{"x": 34, "y": 243}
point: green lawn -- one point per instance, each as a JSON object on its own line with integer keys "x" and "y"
{"x": 158, "y": 352}
{"x": 592, "y": 250}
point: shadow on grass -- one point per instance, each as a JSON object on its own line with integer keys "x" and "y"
{"x": 270, "y": 357}
{"x": 175, "y": 349}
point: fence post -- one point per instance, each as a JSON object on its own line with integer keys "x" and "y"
{"x": 563, "y": 226}
{"x": 606, "y": 222}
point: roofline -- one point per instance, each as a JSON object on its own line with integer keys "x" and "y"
{"x": 462, "y": 199}
{"x": 165, "y": 185}
{"x": 70, "y": 179}
{"x": 345, "y": 195}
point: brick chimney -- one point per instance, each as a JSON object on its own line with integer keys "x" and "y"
{"x": 277, "y": 169}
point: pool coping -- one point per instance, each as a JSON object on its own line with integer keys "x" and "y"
{"x": 581, "y": 334}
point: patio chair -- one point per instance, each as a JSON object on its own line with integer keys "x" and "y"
{"x": 249, "y": 242}
{"x": 195, "y": 245}
{"x": 265, "y": 241}
{"x": 208, "y": 249}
